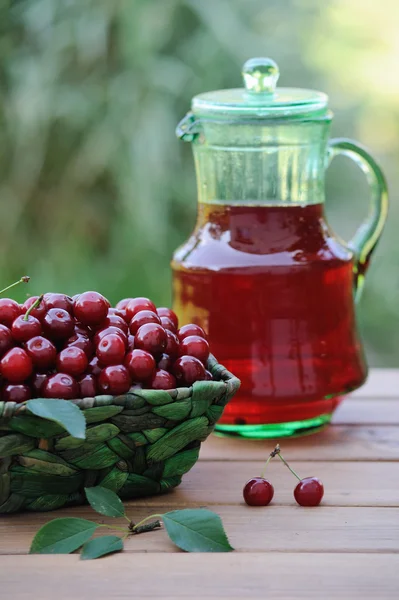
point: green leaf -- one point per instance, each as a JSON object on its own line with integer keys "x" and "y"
{"x": 63, "y": 412}
{"x": 101, "y": 546}
{"x": 62, "y": 536}
{"x": 105, "y": 501}
{"x": 196, "y": 530}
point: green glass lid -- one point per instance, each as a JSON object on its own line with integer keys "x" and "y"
{"x": 260, "y": 98}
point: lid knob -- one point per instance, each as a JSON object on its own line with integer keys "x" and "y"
{"x": 260, "y": 75}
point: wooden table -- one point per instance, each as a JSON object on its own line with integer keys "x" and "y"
{"x": 347, "y": 548}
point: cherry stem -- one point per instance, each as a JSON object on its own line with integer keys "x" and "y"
{"x": 134, "y": 526}
{"x": 146, "y": 527}
{"x": 271, "y": 455}
{"x": 277, "y": 449}
{"x": 24, "y": 279}
{"x": 36, "y": 304}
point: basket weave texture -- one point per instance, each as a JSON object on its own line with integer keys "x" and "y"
{"x": 137, "y": 444}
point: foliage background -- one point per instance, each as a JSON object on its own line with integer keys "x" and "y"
{"x": 96, "y": 192}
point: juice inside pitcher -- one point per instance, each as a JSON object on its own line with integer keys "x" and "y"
{"x": 272, "y": 287}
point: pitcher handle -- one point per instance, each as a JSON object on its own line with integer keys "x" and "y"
{"x": 189, "y": 128}
{"x": 367, "y": 235}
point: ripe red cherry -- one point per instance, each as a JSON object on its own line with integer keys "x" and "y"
{"x": 16, "y": 366}
{"x": 90, "y": 308}
{"x": 23, "y": 330}
{"x": 135, "y": 305}
{"x": 82, "y": 342}
{"x": 168, "y": 324}
{"x": 60, "y": 385}
{"x": 58, "y": 301}
{"x": 88, "y": 386}
{"x": 41, "y": 351}
{"x": 172, "y": 344}
{"x": 142, "y": 318}
{"x": 9, "y": 311}
{"x": 37, "y": 312}
{"x": 111, "y": 329}
{"x": 190, "y": 329}
{"x": 114, "y": 380}
{"x": 152, "y": 338}
{"x": 84, "y": 330}
{"x": 258, "y": 492}
{"x": 6, "y": 341}
{"x": 194, "y": 345}
{"x": 72, "y": 360}
{"x": 94, "y": 367}
{"x": 208, "y": 376}
{"x": 58, "y": 324}
{"x": 114, "y": 321}
{"x": 169, "y": 314}
{"x": 16, "y": 393}
{"x": 122, "y": 304}
{"x": 117, "y": 312}
{"x": 140, "y": 364}
{"x": 111, "y": 350}
{"x": 162, "y": 380}
{"x": 165, "y": 362}
{"x": 130, "y": 342}
{"x": 37, "y": 383}
{"x": 309, "y": 491}
{"x": 188, "y": 369}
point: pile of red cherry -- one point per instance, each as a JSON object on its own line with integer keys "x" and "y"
{"x": 54, "y": 346}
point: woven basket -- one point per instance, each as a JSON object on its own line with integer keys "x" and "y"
{"x": 137, "y": 444}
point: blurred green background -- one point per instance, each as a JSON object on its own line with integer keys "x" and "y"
{"x": 95, "y": 190}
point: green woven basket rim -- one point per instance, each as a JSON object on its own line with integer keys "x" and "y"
{"x": 219, "y": 372}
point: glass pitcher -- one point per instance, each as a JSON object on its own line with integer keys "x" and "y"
{"x": 262, "y": 272}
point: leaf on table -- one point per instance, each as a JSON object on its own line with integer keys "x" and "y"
{"x": 196, "y": 530}
{"x": 64, "y": 412}
{"x": 101, "y": 546}
{"x": 105, "y": 501}
{"x": 62, "y": 536}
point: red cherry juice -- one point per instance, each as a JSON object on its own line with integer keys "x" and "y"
{"x": 273, "y": 288}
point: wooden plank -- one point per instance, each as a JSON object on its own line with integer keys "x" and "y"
{"x": 219, "y": 483}
{"x": 346, "y": 483}
{"x": 372, "y": 411}
{"x": 334, "y": 443}
{"x": 235, "y": 576}
{"x": 383, "y": 383}
{"x": 270, "y": 529}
